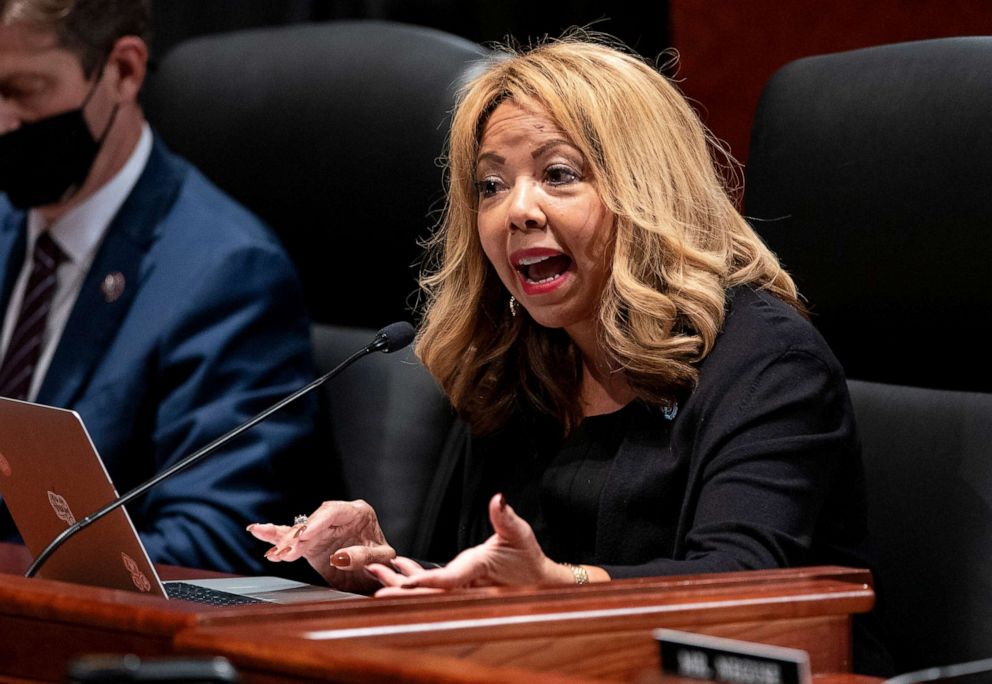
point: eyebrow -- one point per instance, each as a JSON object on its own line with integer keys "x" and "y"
{"x": 543, "y": 149}
{"x": 550, "y": 145}
{"x": 491, "y": 156}
{"x": 23, "y": 73}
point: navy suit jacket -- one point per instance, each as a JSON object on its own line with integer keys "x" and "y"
{"x": 210, "y": 329}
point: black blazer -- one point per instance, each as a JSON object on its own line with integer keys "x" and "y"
{"x": 760, "y": 467}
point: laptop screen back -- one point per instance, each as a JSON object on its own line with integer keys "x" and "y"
{"x": 50, "y": 477}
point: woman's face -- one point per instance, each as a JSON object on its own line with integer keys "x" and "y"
{"x": 541, "y": 222}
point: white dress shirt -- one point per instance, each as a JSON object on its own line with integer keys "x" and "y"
{"x": 79, "y": 234}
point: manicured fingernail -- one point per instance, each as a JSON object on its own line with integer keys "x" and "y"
{"x": 502, "y": 502}
{"x": 341, "y": 560}
{"x": 409, "y": 585}
{"x": 370, "y": 573}
{"x": 283, "y": 551}
{"x": 251, "y": 526}
{"x": 271, "y": 552}
{"x": 299, "y": 531}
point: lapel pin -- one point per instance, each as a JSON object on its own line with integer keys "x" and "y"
{"x": 112, "y": 286}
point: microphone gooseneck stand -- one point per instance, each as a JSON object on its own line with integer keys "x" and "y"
{"x": 391, "y": 338}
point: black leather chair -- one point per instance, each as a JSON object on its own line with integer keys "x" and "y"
{"x": 928, "y": 464}
{"x": 389, "y": 421}
{"x": 870, "y": 174}
{"x": 331, "y": 133}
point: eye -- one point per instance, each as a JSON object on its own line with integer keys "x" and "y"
{"x": 22, "y": 89}
{"x": 9, "y": 92}
{"x": 489, "y": 186}
{"x": 560, "y": 174}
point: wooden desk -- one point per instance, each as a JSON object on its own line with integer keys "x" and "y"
{"x": 520, "y": 634}
{"x": 593, "y": 631}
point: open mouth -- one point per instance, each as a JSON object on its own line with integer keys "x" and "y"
{"x": 543, "y": 269}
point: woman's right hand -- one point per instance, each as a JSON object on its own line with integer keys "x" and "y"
{"x": 339, "y": 540}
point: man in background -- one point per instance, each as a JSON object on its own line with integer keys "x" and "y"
{"x": 136, "y": 293}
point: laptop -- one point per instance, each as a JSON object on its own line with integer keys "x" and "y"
{"x": 52, "y": 476}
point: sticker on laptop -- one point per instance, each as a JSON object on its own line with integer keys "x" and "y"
{"x": 61, "y": 508}
{"x": 138, "y": 577}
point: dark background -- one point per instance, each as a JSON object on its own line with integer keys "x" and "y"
{"x": 640, "y": 24}
{"x": 728, "y": 48}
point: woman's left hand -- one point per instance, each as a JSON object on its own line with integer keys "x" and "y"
{"x": 511, "y": 556}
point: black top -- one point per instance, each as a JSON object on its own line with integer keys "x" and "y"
{"x": 557, "y": 486}
{"x": 758, "y": 467}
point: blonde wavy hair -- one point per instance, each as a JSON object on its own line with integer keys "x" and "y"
{"x": 680, "y": 242}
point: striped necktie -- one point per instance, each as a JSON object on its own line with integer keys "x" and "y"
{"x": 29, "y": 332}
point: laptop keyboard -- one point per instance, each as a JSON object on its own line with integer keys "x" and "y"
{"x": 183, "y": 591}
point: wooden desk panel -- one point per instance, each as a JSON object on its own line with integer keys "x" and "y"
{"x": 513, "y": 634}
{"x": 45, "y": 624}
{"x": 601, "y": 632}
{"x": 623, "y": 654}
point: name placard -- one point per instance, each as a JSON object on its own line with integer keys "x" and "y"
{"x": 717, "y": 659}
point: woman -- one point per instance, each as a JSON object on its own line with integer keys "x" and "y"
{"x": 643, "y": 392}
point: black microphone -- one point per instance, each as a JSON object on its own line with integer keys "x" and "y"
{"x": 391, "y": 338}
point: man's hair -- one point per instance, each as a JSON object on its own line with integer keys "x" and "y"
{"x": 87, "y": 28}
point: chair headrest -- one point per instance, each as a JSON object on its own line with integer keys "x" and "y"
{"x": 331, "y": 133}
{"x": 870, "y": 175}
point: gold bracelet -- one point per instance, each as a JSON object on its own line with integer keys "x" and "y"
{"x": 580, "y": 574}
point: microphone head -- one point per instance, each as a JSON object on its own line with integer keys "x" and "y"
{"x": 393, "y": 337}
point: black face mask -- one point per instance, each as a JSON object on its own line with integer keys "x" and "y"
{"x": 45, "y": 161}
